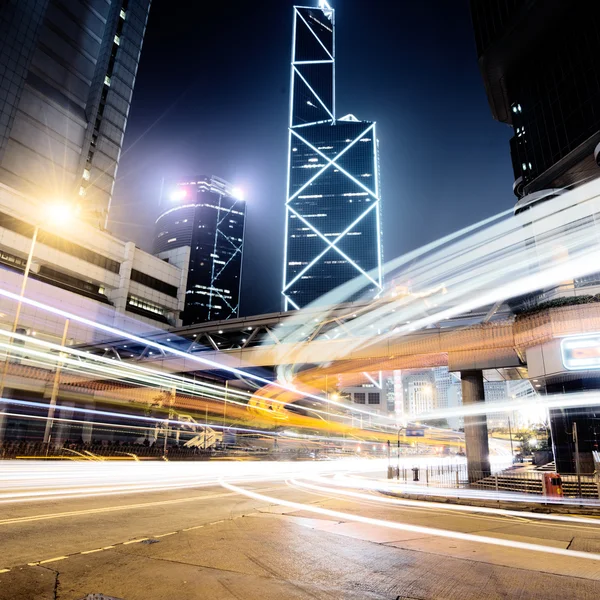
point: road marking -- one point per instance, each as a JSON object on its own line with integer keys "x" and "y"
{"x": 4, "y": 570}
{"x": 92, "y": 551}
{"x": 165, "y": 534}
{"x": 107, "y": 547}
{"x": 108, "y": 509}
{"x": 134, "y": 541}
{"x": 49, "y": 560}
{"x": 190, "y": 528}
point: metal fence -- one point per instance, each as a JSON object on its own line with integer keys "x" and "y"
{"x": 525, "y": 482}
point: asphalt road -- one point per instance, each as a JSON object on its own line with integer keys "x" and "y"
{"x": 211, "y": 542}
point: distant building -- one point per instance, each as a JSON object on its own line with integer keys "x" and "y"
{"x": 67, "y": 74}
{"x": 496, "y": 391}
{"x": 207, "y": 215}
{"x": 333, "y": 229}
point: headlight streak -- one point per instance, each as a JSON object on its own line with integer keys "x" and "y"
{"x": 162, "y": 378}
{"x": 119, "y": 371}
{"x": 472, "y": 494}
{"x": 444, "y": 533}
{"x": 23, "y": 481}
{"x": 159, "y": 421}
{"x": 474, "y": 271}
{"x": 331, "y": 488}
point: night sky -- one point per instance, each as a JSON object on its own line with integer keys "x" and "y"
{"x": 212, "y": 93}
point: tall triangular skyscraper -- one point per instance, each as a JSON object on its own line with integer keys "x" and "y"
{"x": 333, "y": 229}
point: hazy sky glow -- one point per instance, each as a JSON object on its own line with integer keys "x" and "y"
{"x": 212, "y": 97}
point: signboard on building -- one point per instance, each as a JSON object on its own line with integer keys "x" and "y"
{"x": 414, "y": 432}
{"x": 581, "y": 352}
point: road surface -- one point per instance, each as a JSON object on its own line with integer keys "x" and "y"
{"x": 215, "y": 543}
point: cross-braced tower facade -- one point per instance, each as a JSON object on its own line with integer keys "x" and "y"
{"x": 333, "y": 231}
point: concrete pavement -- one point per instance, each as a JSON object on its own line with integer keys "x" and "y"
{"x": 211, "y": 543}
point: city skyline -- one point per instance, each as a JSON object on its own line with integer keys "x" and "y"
{"x": 426, "y": 141}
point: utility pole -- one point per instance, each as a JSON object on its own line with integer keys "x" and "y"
{"x": 225, "y": 404}
{"x": 55, "y": 386}
{"x": 398, "y": 460}
{"x": 577, "y": 463}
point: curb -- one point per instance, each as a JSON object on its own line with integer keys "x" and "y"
{"x": 534, "y": 507}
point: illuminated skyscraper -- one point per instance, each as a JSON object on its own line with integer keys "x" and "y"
{"x": 207, "y": 216}
{"x": 333, "y": 230}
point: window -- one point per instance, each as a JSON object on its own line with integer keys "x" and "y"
{"x": 117, "y": 40}
{"x": 123, "y": 14}
{"x": 373, "y": 397}
{"x": 146, "y": 309}
{"x": 107, "y": 80}
{"x": 86, "y": 174}
{"x": 359, "y": 398}
{"x": 153, "y": 283}
{"x": 59, "y": 243}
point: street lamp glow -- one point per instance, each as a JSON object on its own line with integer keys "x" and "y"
{"x": 238, "y": 193}
{"x": 60, "y": 213}
{"x": 177, "y": 195}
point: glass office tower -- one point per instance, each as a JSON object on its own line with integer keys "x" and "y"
{"x": 67, "y": 73}
{"x": 208, "y": 216}
{"x": 333, "y": 232}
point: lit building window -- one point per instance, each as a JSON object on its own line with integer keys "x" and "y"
{"x": 86, "y": 174}
{"x": 82, "y": 191}
{"x": 107, "y": 80}
{"x": 123, "y": 14}
{"x": 117, "y": 40}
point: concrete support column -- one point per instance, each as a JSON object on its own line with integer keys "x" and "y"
{"x": 476, "y": 433}
{"x": 88, "y": 427}
{"x": 119, "y": 296}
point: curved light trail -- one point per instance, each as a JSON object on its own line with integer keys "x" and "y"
{"x": 467, "y": 537}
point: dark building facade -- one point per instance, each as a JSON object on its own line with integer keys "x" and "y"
{"x": 208, "y": 216}
{"x": 67, "y": 72}
{"x": 333, "y": 232}
{"x": 539, "y": 61}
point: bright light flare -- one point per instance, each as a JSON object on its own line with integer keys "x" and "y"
{"x": 178, "y": 194}
{"x": 238, "y": 193}
{"x": 60, "y": 213}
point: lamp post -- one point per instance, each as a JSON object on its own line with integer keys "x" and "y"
{"x": 55, "y": 214}
{"x": 19, "y": 304}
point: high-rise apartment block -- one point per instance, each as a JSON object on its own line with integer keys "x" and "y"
{"x": 207, "y": 215}
{"x": 67, "y": 71}
{"x": 333, "y": 232}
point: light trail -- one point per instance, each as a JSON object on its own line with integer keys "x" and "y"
{"x": 388, "y": 486}
{"x": 431, "y": 531}
{"x": 332, "y": 488}
{"x": 162, "y": 379}
{"x": 25, "y": 481}
{"x": 487, "y": 263}
{"x": 159, "y": 421}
